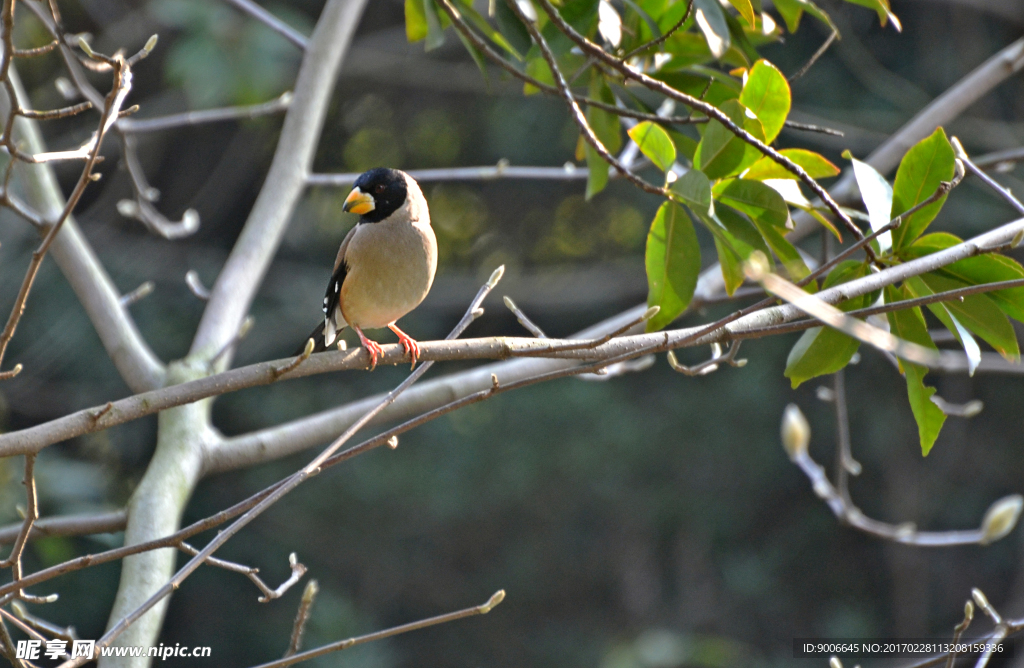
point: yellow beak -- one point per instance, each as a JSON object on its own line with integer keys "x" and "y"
{"x": 358, "y": 202}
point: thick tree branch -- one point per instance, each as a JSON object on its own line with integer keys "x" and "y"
{"x": 252, "y": 253}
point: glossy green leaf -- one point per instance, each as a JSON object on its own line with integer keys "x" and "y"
{"x": 977, "y": 312}
{"x": 916, "y": 286}
{"x": 881, "y": 8}
{"x": 476, "y": 55}
{"x": 755, "y": 199}
{"x": 511, "y": 27}
{"x": 720, "y": 153}
{"x": 909, "y": 324}
{"x": 673, "y": 263}
{"x": 786, "y": 252}
{"x": 926, "y": 164}
{"x": 655, "y": 143}
{"x": 710, "y": 19}
{"x": 766, "y": 93}
{"x": 435, "y": 31}
{"x": 741, "y": 234}
{"x": 686, "y": 146}
{"x": 876, "y": 194}
{"x": 415, "y": 21}
{"x": 746, "y": 10}
{"x": 597, "y": 173}
{"x": 481, "y": 24}
{"x": 988, "y": 268}
{"x": 816, "y": 166}
{"x": 824, "y": 350}
{"x": 695, "y": 190}
{"x": 820, "y": 351}
{"x": 732, "y": 266}
{"x": 792, "y": 10}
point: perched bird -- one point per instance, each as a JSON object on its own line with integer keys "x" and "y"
{"x": 385, "y": 265}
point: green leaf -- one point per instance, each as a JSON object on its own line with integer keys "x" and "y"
{"x": 695, "y": 190}
{"x": 537, "y": 68}
{"x": 816, "y": 166}
{"x": 597, "y": 175}
{"x": 732, "y": 266}
{"x": 435, "y": 31}
{"x": 477, "y": 56}
{"x": 655, "y": 143}
{"x": 746, "y": 10}
{"x": 792, "y": 10}
{"x": 673, "y": 263}
{"x": 978, "y": 313}
{"x": 511, "y": 27}
{"x": 483, "y": 26}
{"x": 604, "y": 123}
{"x": 720, "y": 153}
{"x": 909, "y": 324}
{"x": 820, "y": 351}
{"x": 881, "y": 7}
{"x": 755, "y": 199}
{"x": 741, "y": 234}
{"x": 787, "y": 253}
{"x": 924, "y": 166}
{"x": 766, "y": 93}
{"x": 686, "y": 145}
{"x": 916, "y": 286}
{"x": 415, "y": 21}
{"x": 988, "y": 268}
{"x": 711, "y": 20}
{"x": 876, "y": 193}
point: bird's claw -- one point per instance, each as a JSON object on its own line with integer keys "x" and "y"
{"x": 412, "y": 347}
{"x": 372, "y": 348}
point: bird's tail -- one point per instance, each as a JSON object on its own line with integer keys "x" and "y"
{"x": 318, "y": 341}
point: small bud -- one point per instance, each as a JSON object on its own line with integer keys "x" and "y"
{"x": 1017, "y": 238}
{"x": 1001, "y": 517}
{"x": 495, "y": 277}
{"x": 834, "y": 662}
{"x": 494, "y": 381}
{"x": 151, "y": 44}
{"x": 310, "y": 592}
{"x": 393, "y": 442}
{"x": 825, "y": 394}
{"x": 84, "y": 45}
{"x": 494, "y": 600}
{"x": 757, "y": 266}
{"x": 95, "y": 176}
{"x": 958, "y": 168}
{"x": 650, "y": 313}
{"x": 981, "y": 599}
{"x": 796, "y": 433}
{"x": 968, "y": 611}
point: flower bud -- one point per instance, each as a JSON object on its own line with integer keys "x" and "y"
{"x": 1001, "y": 517}
{"x": 796, "y": 433}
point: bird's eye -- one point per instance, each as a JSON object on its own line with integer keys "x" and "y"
{"x": 379, "y": 189}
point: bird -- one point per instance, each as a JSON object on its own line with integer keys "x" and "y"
{"x": 385, "y": 265}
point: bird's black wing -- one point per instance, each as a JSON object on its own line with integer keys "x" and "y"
{"x": 330, "y": 303}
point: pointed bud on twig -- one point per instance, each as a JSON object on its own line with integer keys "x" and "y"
{"x": 959, "y": 171}
{"x": 796, "y": 433}
{"x": 151, "y": 44}
{"x": 834, "y": 662}
{"x": 969, "y": 611}
{"x": 650, "y": 313}
{"x": 1017, "y": 238}
{"x": 1001, "y": 518}
{"x": 393, "y": 442}
{"x": 495, "y": 277}
{"x": 494, "y": 600}
{"x": 983, "y": 603}
{"x": 84, "y": 45}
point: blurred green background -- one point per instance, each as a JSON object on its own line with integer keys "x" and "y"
{"x": 649, "y": 521}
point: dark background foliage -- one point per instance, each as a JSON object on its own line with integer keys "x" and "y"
{"x": 649, "y": 521}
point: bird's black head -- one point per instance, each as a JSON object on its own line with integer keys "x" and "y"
{"x": 378, "y": 193}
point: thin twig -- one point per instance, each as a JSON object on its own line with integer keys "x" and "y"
{"x": 576, "y": 113}
{"x": 817, "y": 54}
{"x": 298, "y": 570}
{"x": 189, "y": 118}
{"x": 1003, "y": 192}
{"x": 387, "y": 633}
{"x": 711, "y": 365}
{"x": 810, "y": 127}
{"x": 523, "y": 319}
{"x": 139, "y": 293}
{"x": 272, "y": 22}
{"x": 668, "y": 33}
{"x": 302, "y": 617}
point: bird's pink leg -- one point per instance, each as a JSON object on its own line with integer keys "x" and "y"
{"x": 371, "y": 346}
{"x": 408, "y": 343}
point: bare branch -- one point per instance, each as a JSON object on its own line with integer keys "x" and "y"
{"x": 568, "y": 172}
{"x": 190, "y": 118}
{"x": 817, "y": 54}
{"x": 1005, "y": 193}
{"x": 73, "y": 525}
{"x": 497, "y": 598}
{"x": 272, "y": 22}
{"x": 302, "y": 617}
{"x": 298, "y": 570}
